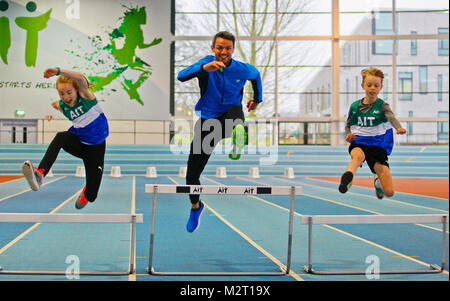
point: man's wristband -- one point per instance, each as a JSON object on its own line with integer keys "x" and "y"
{"x": 59, "y": 71}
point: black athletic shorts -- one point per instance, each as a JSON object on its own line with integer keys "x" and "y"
{"x": 373, "y": 154}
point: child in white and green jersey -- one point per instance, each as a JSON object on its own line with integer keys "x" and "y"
{"x": 369, "y": 130}
{"x": 85, "y": 139}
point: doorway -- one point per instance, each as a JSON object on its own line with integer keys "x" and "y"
{"x": 18, "y": 131}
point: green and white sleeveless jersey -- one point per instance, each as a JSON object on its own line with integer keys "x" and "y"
{"x": 89, "y": 121}
{"x": 371, "y": 128}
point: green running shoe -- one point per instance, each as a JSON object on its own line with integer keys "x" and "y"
{"x": 239, "y": 141}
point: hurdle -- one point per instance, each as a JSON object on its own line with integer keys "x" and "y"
{"x": 76, "y": 218}
{"x": 291, "y": 191}
{"x": 375, "y": 219}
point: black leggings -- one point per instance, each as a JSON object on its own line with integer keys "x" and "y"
{"x": 93, "y": 157}
{"x": 207, "y": 134}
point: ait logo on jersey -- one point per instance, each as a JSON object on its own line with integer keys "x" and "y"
{"x": 76, "y": 113}
{"x": 365, "y": 121}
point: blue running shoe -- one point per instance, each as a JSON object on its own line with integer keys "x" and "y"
{"x": 194, "y": 218}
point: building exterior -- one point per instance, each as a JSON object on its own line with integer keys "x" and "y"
{"x": 422, "y": 74}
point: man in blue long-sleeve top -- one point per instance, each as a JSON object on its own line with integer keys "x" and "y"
{"x": 221, "y": 80}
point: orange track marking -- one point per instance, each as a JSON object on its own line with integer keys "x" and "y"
{"x": 4, "y": 179}
{"x": 429, "y": 187}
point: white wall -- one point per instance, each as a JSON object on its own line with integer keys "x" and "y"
{"x": 121, "y": 131}
{"x": 66, "y": 41}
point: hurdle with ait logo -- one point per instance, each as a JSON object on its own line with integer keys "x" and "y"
{"x": 222, "y": 190}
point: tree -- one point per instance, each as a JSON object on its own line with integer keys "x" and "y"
{"x": 253, "y": 18}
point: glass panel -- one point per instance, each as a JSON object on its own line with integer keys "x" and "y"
{"x": 424, "y": 133}
{"x": 427, "y": 54}
{"x": 304, "y": 78}
{"x": 423, "y": 104}
{"x": 423, "y": 79}
{"x": 187, "y": 93}
{"x": 248, "y": 18}
{"x": 201, "y": 6}
{"x": 410, "y": 124}
{"x": 356, "y": 56}
{"x": 304, "y": 133}
{"x": 382, "y": 25}
{"x": 195, "y": 18}
{"x": 356, "y": 17}
{"x": 304, "y": 82}
{"x": 260, "y": 133}
{"x": 290, "y": 133}
{"x": 413, "y": 44}
{"x": 432, "y": 14}
{"x": 319, "y": 133}
{"x": 261, "y": 55}
{"x": 443, "y": 44}
{"x": 443, "y": 128}
{"x": 420, "y": 76}
{"x": 405, "y": 85}
{"x": 303, "y": 18}
{"x": 189, "y": 52}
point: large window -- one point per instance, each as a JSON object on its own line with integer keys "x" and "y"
{"x": 443, "y": 44}
{"x": 413, "y": 44}
{"x": 443, "y": 127}
{"x": 312, "y": 72}
{"x": 382, "y": 25}
{"x": 410, "y": 124}
{"x": 405, "y": 85}
{"x": 440, "y": 87}
{"x": 423, "y": 79}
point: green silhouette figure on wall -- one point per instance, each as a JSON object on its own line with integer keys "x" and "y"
{"x": 130, "y": 29}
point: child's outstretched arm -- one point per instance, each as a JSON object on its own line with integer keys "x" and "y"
{"x": 56, "y": 106}
{"x": 401, "y": 131}
{"x": 82, "y": 81}
{"x": 392, "y": 120}
{"x": 350, "y": 137}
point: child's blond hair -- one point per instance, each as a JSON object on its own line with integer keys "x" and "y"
{"x": 62, "y": 79}
{"x": 372, "y": 71}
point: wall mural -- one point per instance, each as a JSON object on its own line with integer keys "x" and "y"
{"x": 122, "y": 48}
{"x": 125, "y": 57}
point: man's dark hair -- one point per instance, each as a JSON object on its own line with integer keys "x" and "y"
{"x": 224, "y": 35}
